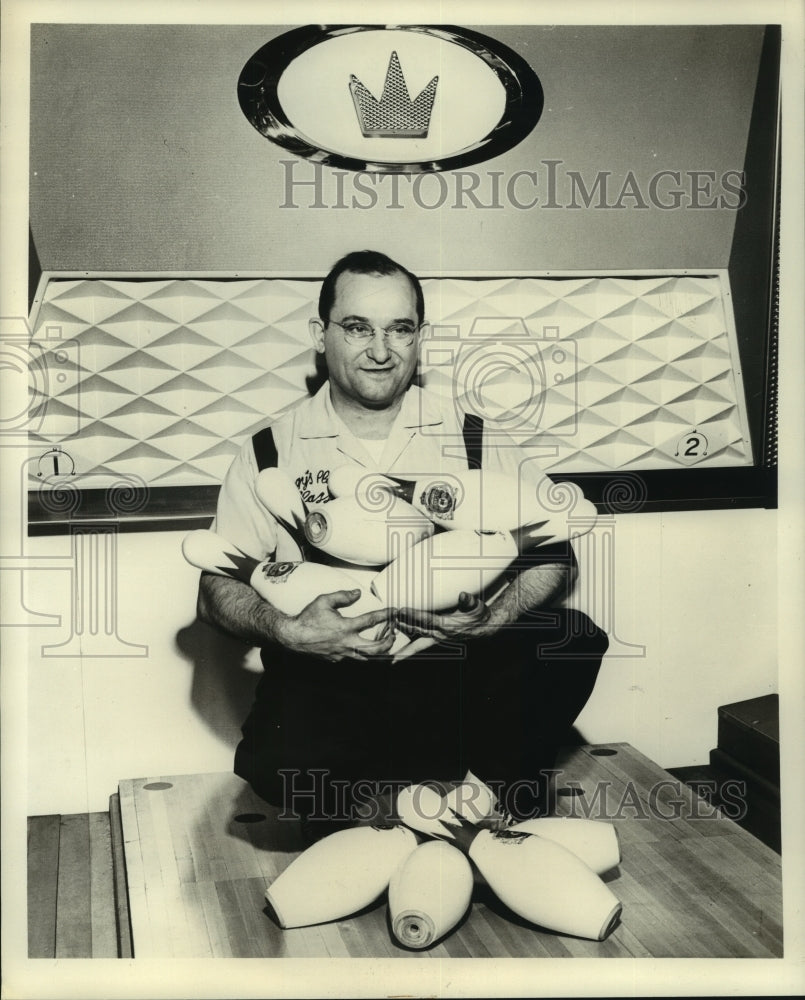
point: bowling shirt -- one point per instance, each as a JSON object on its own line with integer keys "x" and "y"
{"x": 312, "y": 440}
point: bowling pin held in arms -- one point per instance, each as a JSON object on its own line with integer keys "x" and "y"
{"x": 345, "y": 529}
{"x": 471, "y": 499}
{"x": 281, "y": 499}
{"x": 430, "y": 575}
{"x": 287, "y": 586}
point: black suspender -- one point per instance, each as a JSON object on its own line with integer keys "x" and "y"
{"x": 265, "y": 450}
{"x": 473, "y": 432}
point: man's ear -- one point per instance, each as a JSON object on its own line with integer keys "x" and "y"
{"x": 316, "y": 328}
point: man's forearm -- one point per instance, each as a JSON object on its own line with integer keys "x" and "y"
{"x": 318, "y": 630}
{"x": 533, "y": 588}
{"x": 237, "y": 609}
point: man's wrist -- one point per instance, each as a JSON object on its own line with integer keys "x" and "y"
{"x": 277, "y": 626}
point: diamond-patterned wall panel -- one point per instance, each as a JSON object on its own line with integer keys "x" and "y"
{"x": 162, "y": 379}
{"x": 595, "y": 373}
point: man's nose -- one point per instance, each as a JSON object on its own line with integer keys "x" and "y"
{"x": 378, "y": 349}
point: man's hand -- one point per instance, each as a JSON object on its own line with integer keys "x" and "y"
{"x": 467, "y": 620}
{"x": 319, "y": 630}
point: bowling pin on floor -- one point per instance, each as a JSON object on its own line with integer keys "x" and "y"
{"x": 429, "y": 894}
{"x": 280, "y": 497}
{"x": 536, "y": 878}
{"x": 346, "y": 530}
{"x": 472, "y": 799}
{"x": 593, "y": 841}
{"x": 339, "y": 875}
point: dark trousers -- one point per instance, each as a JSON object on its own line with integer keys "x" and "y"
{"x": 322, "y": 737}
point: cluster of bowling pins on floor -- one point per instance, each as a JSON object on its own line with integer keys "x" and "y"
{"x": 373, "y": 520}
{"x": 547, "y": 871}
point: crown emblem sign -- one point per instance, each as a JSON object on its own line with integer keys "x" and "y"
{"x": 395, "y": 115}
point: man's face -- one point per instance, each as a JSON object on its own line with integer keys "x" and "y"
{"x": 377, "y": 373}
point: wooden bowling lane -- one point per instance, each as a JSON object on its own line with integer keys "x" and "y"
{"x": 618, "y": 784}
{"x": 200, "y": 851}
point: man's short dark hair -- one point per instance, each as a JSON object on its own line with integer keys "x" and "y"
{"x": 366, "y": 262}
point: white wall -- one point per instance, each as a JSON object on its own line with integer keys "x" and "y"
{"x": 696, "y": 589}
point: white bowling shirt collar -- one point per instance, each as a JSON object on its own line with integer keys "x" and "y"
{"x": 319, "y": 420}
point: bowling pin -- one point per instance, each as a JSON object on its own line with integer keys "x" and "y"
{"x": 432, "y": 574}
{"x": 372, "y": 489}
{"x": 594, "y": 842}
{"x": 429, "y": 893}
{"x": 346, "y": 530}
{"x": 277, "y": 493}
{"x": 537, "y": 879}
{"x": 287, "y": 586}
{"x": 472, "y": 799}
{"x": 475, "y": 499}
{"x": 339, "y": 874}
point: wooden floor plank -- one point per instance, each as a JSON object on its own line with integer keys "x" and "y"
{"x": 73, "y": 903}
{"x": 208, "y": 863}
{"x": 178, "y": 822}
{"x": 750, "y": 926}
{"x": 270, "y": 862}
{"x": 199, "y": 943}
{"x": 159, "y": 918}
{"x": 180, "y": 927}
{"x": 242, "y": 858}
{"x": 662, "y": 795}
{"x": 250, "y": 896}
{"x": 103, "y": 912}
{"x": 141, "y": 930}
{"x": 214, "y": 919}
{"x": 334, "y": 943}
{"x": 43, "y": 873}
{"x": 521, "y": 941}
{"x": 192, "y": 814}
{"x": 371, "y": 925}
{"x": 241, "y": 938}
{"x": 605, "y": 796}
{"x": 353, "y": 939}
{"x": 227, "y": 849}
{"x": 487, "y": 930}
{"x": 660, "y": 936}
{"x": 123, "y": 917}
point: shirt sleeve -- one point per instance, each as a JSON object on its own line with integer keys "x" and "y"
{"x": 240, "y": 517}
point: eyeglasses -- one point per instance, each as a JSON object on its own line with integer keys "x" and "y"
{"x": 397, "y": 334}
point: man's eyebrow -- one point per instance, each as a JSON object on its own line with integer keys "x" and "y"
{"x": 365, "y": 319}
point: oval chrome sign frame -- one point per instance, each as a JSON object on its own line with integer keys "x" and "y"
{"x": 521, "y": 100}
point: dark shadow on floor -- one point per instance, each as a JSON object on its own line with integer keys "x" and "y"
{"x": 222, "y": 686}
